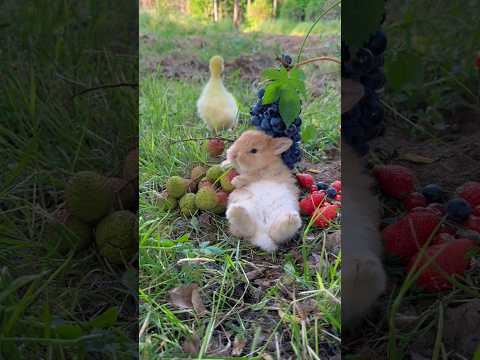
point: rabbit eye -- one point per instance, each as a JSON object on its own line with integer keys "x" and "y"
{"x": 253, "y": 151}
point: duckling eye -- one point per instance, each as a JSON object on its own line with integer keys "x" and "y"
{"x": 253, "y": 151}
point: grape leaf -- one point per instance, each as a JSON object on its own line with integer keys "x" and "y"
{"x": 297, "y": 73}
{"x": 289, "y": 105}
{"x": 406, "y": 70}
{"x": 272, "y": 93}
{"x": 275, "y": 74}
{"x": 360, "y": 21}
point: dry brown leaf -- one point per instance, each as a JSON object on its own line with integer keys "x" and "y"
{"x": 415, "y": 158}
{"x": 352, "y": 92}
{"x": 238, "y": 344}
{"x": 187, "y": 297}
{"x": 191, "y": 345}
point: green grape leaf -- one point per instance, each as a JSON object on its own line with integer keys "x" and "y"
{"x": 297, "y": 73}
{"x": 405, "y": 71}
{"x": 272, "y": 93}
{"x": 275, "y": 74}
{"x": 289, "y": 105}
{"x": 360, "y": 21}
{"x": 298, "y": 85}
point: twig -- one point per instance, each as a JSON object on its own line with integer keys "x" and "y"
{"x": 109, "y": 86}
{"x": 200, "y": 139}
{"x": 320, "y": 58}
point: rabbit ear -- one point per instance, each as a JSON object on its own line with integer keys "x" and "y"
{"x": 281, "y": 145}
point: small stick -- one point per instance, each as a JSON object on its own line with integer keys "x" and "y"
{"x": 110, "y": 86}
{"x": 320, "y": 58}
{"x": 200, "y": 139}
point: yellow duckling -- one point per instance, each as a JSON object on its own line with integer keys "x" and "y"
{"x": 216, "y": 106}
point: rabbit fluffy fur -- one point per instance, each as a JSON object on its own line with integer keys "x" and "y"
{"x": 363, "y": 275}
{"x": 263, "y": 208}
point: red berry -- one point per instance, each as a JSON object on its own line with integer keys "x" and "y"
{"x": 399, "y": 238}
{"x": 451, "y": 257}
{"x": 338, "y": 198}
{"x": 215, "y": 147}
{"x": 414, "y": 200}
{"x": 317, "y": 198}
{"x": 305, "y": 180}
{"x": 395, "y": 180}
{"x": 231, "y": 174}
{"x": 313, "y": 188}
{"x": 307, "y": 207}
{"x": 337, "y": 185}
{"x": 473, "y": 223}
{"x": 470, "y": 191}
{"x": 324, "y": 215}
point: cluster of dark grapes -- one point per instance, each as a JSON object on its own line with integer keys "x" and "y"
{"x": 267, "y": 118}
{"x": 365, "y": 121}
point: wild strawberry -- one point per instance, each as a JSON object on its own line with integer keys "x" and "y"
{"x": 414, "y": 200}
{"x": 395, "y": 180}
{"x": 437, "y": 207}
{"x": 307, "y": 207}
{"x": 451, "y": 257}
{"x": 324, "y": 215}
{"x": 305, "y": 180}
{"x": 470, "y": 191}
{"x": 407, "y": 235}
{"x": 317, "y": 198}
{"x": 473, "y": 223}
{"x": 337, "y": 185}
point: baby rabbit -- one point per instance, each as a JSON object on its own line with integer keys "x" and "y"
{"x": 363, "y": 276}
{"x": 264, "y": 205}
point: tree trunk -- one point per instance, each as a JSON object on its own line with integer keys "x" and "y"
{"x": 274, "y": 8}
{"x": 215, "y": 10}
{"x": 236, "y": 13}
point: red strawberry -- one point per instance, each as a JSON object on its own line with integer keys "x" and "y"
{"x": 338, "y": 198}
{"x": 305, "y": 180}
{"x": 452, "y": 257}
{"x": 324, "y": 215}
{"x": 318, "y": 197}
{"x": 470, "y": 191}
{"x": 399, "y": 238}
{"x": 438, "y": 208}
{"x": 395, "y": 180}
{"x": 442, "y": 238}
{"x": 473, "y": 223}
{"x": 313, "y": 188}
{"x": 307, "y": 207}
{"x": 337, "y": 185}
{"x": 215, "y": 147}
{"x": 414, "y": 200}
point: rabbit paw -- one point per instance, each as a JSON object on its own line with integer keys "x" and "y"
{"x": 285, "y": 227}
{"x": 239, "y": 181}
{"x": 241, "y": 223}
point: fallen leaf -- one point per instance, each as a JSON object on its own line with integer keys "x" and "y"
{"x": 187, "y": 297}
{"x": 418, "y": 159}
{"x": 462, "y": 330}
{"x": 352, "y": 92}
{"x": 238, "y": 344}
{"x": 191, "y": 345}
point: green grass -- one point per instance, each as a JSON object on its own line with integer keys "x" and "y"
{"x": 265, "y": 311}
{"x": 47, "y": 300}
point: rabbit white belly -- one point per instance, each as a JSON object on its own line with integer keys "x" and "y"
{"x": 266, "y": 212}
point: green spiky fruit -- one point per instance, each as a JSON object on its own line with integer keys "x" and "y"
{"x": 176, "y": 186}
{"x": 187, "y": 204}
{"x": 125, "y": 197}
{"x": 214, "y": 173}
{"x": 115, "y": 236}
{"x": 166, "y": 202}
{"x": 206, "y": 198}
{"x": 66, "y": 232}
{"x": 198, "y": 172}
{"x": 89, "y": 196}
